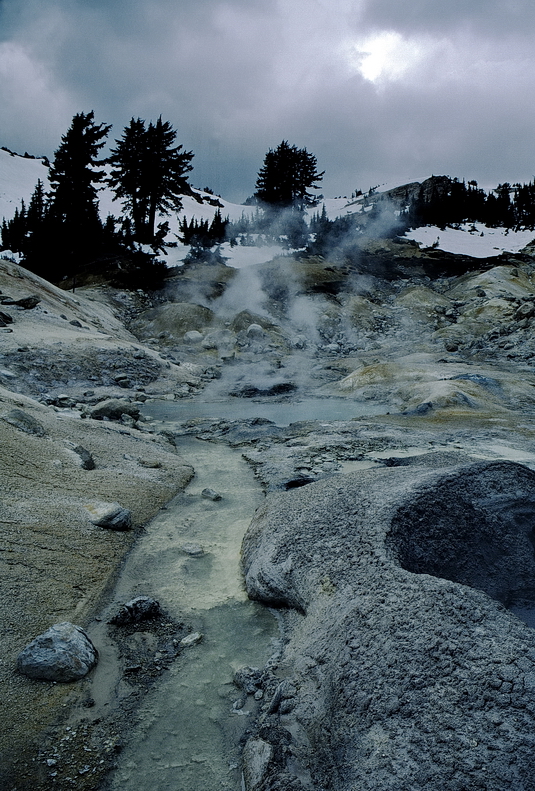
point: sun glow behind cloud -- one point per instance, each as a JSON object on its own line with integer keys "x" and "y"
{"x": 387, "y": 56}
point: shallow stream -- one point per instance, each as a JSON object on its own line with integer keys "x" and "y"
{"x": 188, "y": 735}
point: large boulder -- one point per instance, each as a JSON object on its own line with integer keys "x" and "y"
{"x": 62, "y": 653}
{"x": 403, "y": 669}
{"x": 113, "y": 409}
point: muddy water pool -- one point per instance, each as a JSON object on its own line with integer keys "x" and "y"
{"x": 188, "y": 732}
{"x": 280, "y": 412}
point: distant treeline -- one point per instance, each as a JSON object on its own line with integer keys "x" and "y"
{"x": 445, "y": 201}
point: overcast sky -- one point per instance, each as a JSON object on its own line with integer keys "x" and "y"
{"x": 379, "y": 90}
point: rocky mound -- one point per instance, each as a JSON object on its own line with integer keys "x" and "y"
{"x": 402, "y": 669}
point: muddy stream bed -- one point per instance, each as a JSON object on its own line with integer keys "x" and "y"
{"x": 185, "y": 735}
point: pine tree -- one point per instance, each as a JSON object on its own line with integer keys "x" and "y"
{"x": 73, "y": 176}
{"x": 149, "y": 174}
{"x": 287, "y": 175}
{"x": 73, "y": 216}
{"x": 127, "y": 173}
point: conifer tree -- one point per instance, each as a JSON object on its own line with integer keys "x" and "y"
{"x": 127, "y": 173}
{"x": 287, "y": 175}
{"x": 149, "y": 174}
{"x": 73, "y": 175}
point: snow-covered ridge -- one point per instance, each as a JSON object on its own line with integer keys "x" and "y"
{"x": 19, "y": 175}
{"x": 474, "y": 239}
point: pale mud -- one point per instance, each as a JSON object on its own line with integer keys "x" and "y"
{"x": 187, "y": 731}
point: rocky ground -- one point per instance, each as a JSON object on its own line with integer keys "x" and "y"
{"x": 450, "y": 356}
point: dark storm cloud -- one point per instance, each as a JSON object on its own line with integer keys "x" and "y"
{"x": 378, "y": 90}
{"x": 487, "y": 17}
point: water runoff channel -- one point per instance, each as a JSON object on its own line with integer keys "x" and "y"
{"x": 187, "y": 734}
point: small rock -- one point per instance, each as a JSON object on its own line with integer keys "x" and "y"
{"x": 257, "y": 755}
{"x": 210, "y": 494}
{"x": 62, "y": 653}
{"x": 255, "y": 331}
{"x": 139, "y": 609}
{"x": 75, "y": 323}
{"x": 110, "y": 515}
{"x": 191, "y": 639}
{"x": 5, "y": 318}
{"x": 88, "y": 463}
{"x": 248, "y": 679}
{"x": 195, "y": 550}
{"x": 128, "y": 420}
{"x": 193, "y": 336}
{"x": 525, "y": 311}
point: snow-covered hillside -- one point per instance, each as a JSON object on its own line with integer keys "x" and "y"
{"x": 473, "y": 239}
{"x": 19, "y": 175}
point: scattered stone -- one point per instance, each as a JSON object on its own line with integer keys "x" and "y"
{"x": 76, "y": 323}
{"x": 24, "y": 422}
{"x": 249, "y": 679}
{"x": 257, "y": 755}
{"x": 139, "y": 609}
{"x": 62, "y": 653}
{"x": 255, "y": 331}
{"x": 251, "y": 391}
{"x": 195, "y": 550}
{"x": 193, "y": 336}
{"x": 210, "y": 494}
{"x": 191, "y": 639}
{"x": 128, "y": 420}
{"x": 5, "y": 319}
{"x": 88, "y": 462}
{"x": 112, "y": 516}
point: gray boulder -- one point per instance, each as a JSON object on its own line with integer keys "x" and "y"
{"x": 28, "y": 303}
{"x": 62, "y": 653}
{"x": 114, "y": 409}
{"x": 24, "y": 422}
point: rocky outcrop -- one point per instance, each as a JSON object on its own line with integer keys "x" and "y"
{"x": 403, "y": 668}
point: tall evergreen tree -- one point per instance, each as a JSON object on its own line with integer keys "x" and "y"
{"x": 287, "y": 175}
{"x": 73, "y": 175}
{"x": 127, "y": 173}
{"x": 149, "y": 174}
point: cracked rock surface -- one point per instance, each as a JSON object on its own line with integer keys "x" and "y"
{"x": 402, "y": 668}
